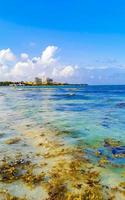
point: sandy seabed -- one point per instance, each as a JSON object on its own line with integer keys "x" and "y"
{"x": 41, "y": 165}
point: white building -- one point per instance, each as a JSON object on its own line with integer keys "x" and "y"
{"x": 43, "y": 80}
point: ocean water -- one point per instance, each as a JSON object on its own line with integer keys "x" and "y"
{"x": 85, "y": 117}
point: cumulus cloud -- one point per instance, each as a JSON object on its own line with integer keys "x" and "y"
{"x": 24, "y": 68}
{"x": 6, "y": 55}
{"x": 24, "y": 56}
{"x": 47, "y": 56}
{"x": 21, "y": 69}
{"x": 66, "y": 71}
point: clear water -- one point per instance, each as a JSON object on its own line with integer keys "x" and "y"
{"x": 89, "y": 114}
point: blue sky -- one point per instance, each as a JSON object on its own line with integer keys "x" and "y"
{"x": 84, "y": 41}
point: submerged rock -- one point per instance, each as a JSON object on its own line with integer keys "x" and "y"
{"x": 118, "y": 150}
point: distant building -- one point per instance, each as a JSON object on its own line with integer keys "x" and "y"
{"x": 38, "y": 81}
{"x": 43, "y": 80}
{"x": 49, "y": 81}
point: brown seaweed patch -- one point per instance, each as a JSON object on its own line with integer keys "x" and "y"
{"x": 103, "y": 161}
{"x": 76, "y": 182}
{"x": 56, "y": 152}
{"x": 92, "y": 178}
{"x": 93, "y": 193}
{"x": 111, "y": 142}
{"x": 57, "y": 190}
{"x": 31, "y": 179}
{"x": 50, "y": 144}
{"x": 20, "y": 170}
{"x": 118, "y": 191}
{"x": 13, "y": 141}
{"x": 122, "y": 185}
{"x": 42, "y": 135}
{"x": 63, "y": 132}
{"x": 11, "y": 171}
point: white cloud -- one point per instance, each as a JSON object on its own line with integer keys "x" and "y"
{"x": 24, "y": 67}
{"x": 47, "y": 56}
{"x": 24, "y": 56}
{"x": 21, "y": 69}
{"x": 95, "y": 67}
{"x": 6, "y": 55}
{"x": 65, "y": 72}
{"x": 27, "y": 69}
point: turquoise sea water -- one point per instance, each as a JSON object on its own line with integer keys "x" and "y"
{"x": 85, "y": 116}
{"x": 90, "y": 113}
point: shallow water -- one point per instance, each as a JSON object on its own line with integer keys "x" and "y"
{"x": 83, "y": 117}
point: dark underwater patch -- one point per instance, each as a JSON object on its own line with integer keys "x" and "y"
{"x": 120, "y": 105}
